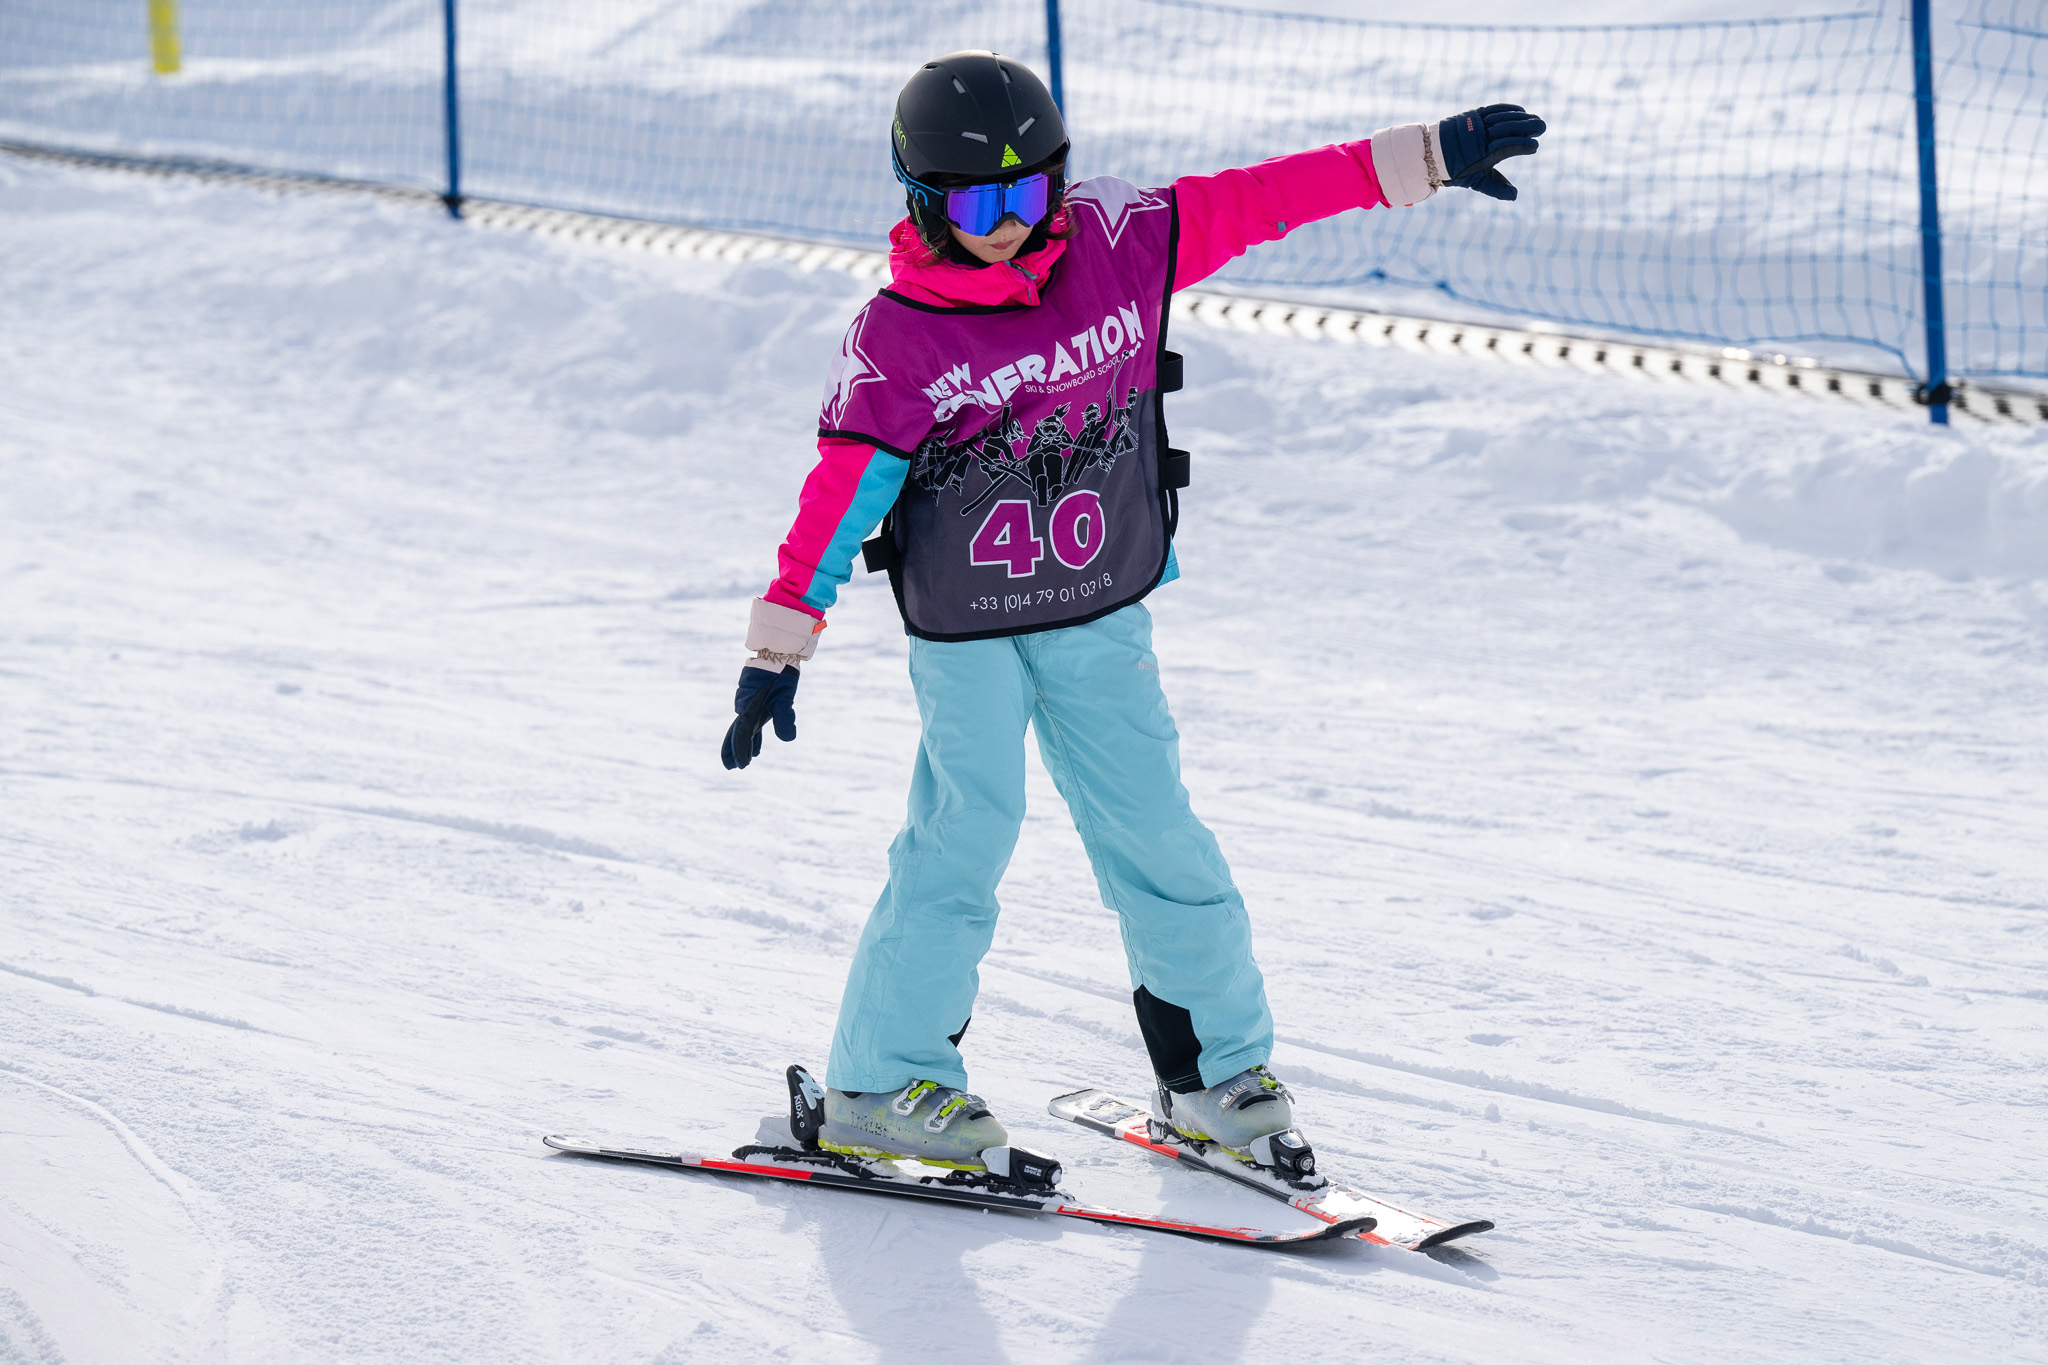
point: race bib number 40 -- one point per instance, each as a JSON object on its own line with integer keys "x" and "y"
{"x": 1008, "y": 538}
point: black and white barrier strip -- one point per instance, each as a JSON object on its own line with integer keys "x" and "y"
{"x": 1735, "y": 368}
{"x": 675, "y": 239}
{"x": 280, "y": 182}
{"x": 1537, "y": 344}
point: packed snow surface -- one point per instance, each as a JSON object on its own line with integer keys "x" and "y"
{"x": 1639, "y": 791}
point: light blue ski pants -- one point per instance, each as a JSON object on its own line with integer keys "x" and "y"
{"x": 1091, "y": 692}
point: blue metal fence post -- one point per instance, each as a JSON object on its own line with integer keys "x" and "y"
{"x": 451, "y": 110}
{"x": 1052, "y": 49}
{"x": 1935, "y": 392}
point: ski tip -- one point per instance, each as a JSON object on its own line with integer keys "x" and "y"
{"x": 1454, "y": 1232}
{"x": 563, "y": 1143}
{"x": 1096, "y": 1109}
{"x": 1069, "y": 1099}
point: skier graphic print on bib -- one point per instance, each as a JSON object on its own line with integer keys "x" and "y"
{"x": 1033, "y": 496}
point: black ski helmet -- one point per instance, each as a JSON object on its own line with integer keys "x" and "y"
{"x": 975, "y": 117}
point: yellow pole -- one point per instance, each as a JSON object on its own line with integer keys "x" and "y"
{"x": 163, "y": 36}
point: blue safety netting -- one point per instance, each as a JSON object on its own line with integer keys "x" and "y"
{"x": 1751, "y": 182}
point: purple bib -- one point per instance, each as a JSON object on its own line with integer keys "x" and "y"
{"x": 1034, "y": 433}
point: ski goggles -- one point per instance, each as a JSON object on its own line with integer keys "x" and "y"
{"x": 976, "y": 209}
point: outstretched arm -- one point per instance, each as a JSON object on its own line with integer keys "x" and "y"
{"x": 1223, "y": 215}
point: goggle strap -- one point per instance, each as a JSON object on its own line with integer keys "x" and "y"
{"x": 928, "y": 193}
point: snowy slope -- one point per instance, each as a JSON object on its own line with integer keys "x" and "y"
{"x": 1639, "y": 793}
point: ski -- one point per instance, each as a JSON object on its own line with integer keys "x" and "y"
{"x": 1018, "y": 1181}
{"x": 927, "y": 1182}
{"x": 1339, "y": 1205}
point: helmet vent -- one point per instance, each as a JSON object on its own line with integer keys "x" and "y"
{"x": 1025, "y": 126}
{"x": 978, "y": 137}
{"x": 957, "y": 86}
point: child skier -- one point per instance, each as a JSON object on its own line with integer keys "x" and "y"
{"x": 1000, "y": 405}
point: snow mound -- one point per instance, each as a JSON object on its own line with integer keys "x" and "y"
{"x": 1962, "y": 502}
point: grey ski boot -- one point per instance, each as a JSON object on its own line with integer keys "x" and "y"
{"x": 924, "y": 1121}
{"x": 1250, "y": 1116}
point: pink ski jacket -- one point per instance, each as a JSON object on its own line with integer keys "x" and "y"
{"x": 1219, "y": 217}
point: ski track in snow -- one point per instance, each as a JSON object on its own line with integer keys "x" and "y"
{"x": 1639, "y": 791}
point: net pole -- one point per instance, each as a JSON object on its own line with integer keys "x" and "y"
{"x": 451, "y": 111}
{"x": 1052, "y": 52}
{"x": 1935, "y": 391}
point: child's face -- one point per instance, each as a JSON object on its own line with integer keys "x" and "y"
{"x": 1000, "y": 244}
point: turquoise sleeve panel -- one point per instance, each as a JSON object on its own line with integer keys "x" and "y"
{"x": 837, "y": 513}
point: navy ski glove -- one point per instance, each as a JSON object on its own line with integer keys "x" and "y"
{"x": 1477, "y": 140}
{"x": 762, "y": 694}
{"x": 781, "y": 638}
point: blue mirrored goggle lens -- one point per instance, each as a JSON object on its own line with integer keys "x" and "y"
{"x": 976, "y": 209}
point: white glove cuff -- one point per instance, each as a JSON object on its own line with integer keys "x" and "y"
{"x": 782, "y": 635}
{"x": 1409, "y": 161}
